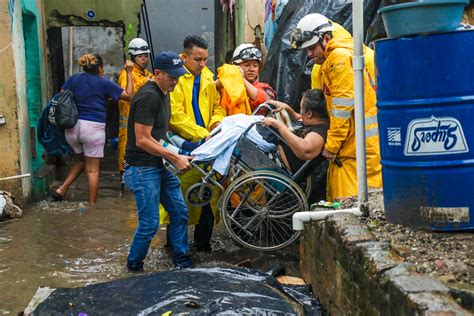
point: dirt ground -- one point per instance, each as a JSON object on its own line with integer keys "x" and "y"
{"x": 447, "y": 256}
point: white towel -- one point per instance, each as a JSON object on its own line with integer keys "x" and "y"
{"x": 221, "y": 145}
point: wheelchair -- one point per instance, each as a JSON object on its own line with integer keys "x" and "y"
{"x": 258, "y": 196}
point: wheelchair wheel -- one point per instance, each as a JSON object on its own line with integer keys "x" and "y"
{"x": 199, "y": 194}
{"x": 257, "y": 210}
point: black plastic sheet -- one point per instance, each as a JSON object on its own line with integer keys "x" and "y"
{"x": 288, "y": 70}
{"x": 200, "y": 291}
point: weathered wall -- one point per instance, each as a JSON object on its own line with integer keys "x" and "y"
{"x": 354, "y": 274}
{"x": 22, "y": 109}
{"x": 59, "y": 13}
{"x": 254, "y": 17}
{"x": 105, "y": 41}
{"x": 9, "y": 133}
{"x": 37, "y": 86}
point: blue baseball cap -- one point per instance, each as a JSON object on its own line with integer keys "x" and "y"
{"x": 169, "y": 62}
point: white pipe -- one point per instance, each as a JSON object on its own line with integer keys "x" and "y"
{"x": 358, "y": 64}
{"x": 16, "y": 177}
{"x": 301, "y": 217}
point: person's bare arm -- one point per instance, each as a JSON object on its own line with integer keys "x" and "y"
{"x": 304, "y": 148}
{"x": 283, "y": 106}
{"x": 128, "y": 92}
{"x": 251, "y": 90}
{"x": 146, "y": 142}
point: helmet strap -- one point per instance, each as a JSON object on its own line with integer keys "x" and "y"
{"x": 321, "y": 42}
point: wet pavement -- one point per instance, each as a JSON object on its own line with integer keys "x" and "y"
{"x": 68, "y": 244}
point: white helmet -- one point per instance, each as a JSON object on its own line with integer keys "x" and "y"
{"x": 310, "y": 30}
{"x": 138, "y": 46}
{"x": 245, "y": 52}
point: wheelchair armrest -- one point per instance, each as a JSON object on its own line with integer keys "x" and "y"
{"x": 272, "y": 130}
{"x": 263, "y": 106}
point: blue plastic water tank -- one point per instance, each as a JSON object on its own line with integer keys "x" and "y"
{"x": 425, "y": 93}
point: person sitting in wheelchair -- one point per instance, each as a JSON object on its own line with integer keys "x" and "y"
{"x": 305, "y": 143}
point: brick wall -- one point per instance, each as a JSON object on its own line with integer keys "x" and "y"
{"x": 354, "y": 274}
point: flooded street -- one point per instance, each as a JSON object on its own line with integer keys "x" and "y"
{"x": 68, "y": 244}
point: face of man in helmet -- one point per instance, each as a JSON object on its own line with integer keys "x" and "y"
{"x": 316, "y": 51}
{"x": 141, "y": 60}
{"x": 195, "y": 60}
{"x": 250, "y": 69}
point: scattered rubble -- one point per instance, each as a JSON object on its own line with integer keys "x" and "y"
{"x": 446, "y": 256}
{"x": 8, "y": 209}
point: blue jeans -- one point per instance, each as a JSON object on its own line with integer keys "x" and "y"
{"x": 152, "y": 186}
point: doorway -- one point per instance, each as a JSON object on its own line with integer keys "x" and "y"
{"x": 68, "y": 44}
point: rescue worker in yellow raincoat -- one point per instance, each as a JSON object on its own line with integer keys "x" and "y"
{"x": 195, "y": 111}
{"x": 139, "y": 53}
{"x": 314, "y": 34}
{"x": 340, "y": 32}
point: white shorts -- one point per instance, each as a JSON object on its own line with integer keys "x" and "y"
{"x": 87, "y": 137}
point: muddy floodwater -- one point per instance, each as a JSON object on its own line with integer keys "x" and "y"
{"x": 69, "y": 244}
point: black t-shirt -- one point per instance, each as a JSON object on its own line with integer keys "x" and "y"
{"x": 150, "y": 106}
{"x": 295, "y": 162}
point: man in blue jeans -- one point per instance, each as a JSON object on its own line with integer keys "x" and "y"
{"x": 144, "y": 172}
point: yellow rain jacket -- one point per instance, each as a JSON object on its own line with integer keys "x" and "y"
{"x": 369, "y": 59}
{"x": 183, "y": 123}
{"x": 233, "y": 93}
{"x": 338, "y": 85}
{"x": 182, "y": 115}
{"x": 139, "y": 77}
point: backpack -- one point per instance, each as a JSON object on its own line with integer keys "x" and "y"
{"x": 50, "y": 136}
{"x": 63, "y": 112}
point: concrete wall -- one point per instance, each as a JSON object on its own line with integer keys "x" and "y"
{"x": 24, "y": 91}
{"x": 354, "y": 274}
{"x": 9, "y": 133}
{"x": 254, "y": 17}
{"x": 249, "y": 17}
{"x": 124, "y": 13}
{"x": 105, "y": 41}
